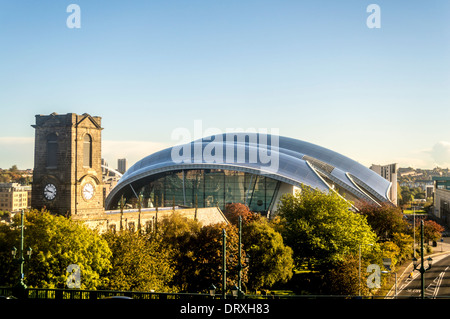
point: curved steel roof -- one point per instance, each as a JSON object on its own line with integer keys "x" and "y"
{"x": 285, "y": 159}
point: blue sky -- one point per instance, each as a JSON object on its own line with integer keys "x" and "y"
{"x": 311, "y": 69}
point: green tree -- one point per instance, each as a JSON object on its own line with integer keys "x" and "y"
{"x": 405, "y": 244}
{"x": 342, "y": 278}
{"x": 385, "y": 220}
{"x": 175, "y": 231}
{"x": 321, "y": 228}
{"x": 270, "y": 259}
{"x": 176, "y": 235}
{"x": 196, "y": 252}
{"x": 56, "y": 243}
{"x": 138, "y": 263}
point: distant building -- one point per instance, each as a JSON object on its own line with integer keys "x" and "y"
{"x": 429, "y": 191}
{"x": 122, "y": 165}
{"x": 104, "y": 169}
{"x": 442, "y": 198}
{"x": 389, "y": 172}
{"x": 14, "y": 197}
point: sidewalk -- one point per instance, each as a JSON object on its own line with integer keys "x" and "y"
{"x": 443, "y": 248}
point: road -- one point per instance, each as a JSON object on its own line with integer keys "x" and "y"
{"x": 437, "y": 281}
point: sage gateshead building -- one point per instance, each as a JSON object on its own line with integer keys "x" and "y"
{"x": 255, "y": 169}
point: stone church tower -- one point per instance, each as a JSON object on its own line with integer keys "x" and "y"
{"x": 67, "y": 177}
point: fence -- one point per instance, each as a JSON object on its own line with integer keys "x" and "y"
{"x": 78, "y": 294}
{"x": 47, "y": 293}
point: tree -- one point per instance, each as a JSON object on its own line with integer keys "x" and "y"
{"x": 385, "y": 220}
{"x": 138, "y": 263}
{"x": 342, "y": 278}
{"x": 405, "y": 244}
{"x": 234, "y": 210}
{"x": 270, "y": 260}
{"x": 321, "y": 228}
{"x": 176, "y": 234}
{"x": 175, "y": 231}
{"x": 196, "y": 252}
{"x": 431, "y": 230}
{"x": 56, "y": 243}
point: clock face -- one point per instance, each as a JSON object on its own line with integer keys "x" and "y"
{"x": 50, "y": 191}
{"x": 88, "y": 191}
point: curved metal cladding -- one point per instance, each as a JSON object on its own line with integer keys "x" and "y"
{"x": 284, "y": 159}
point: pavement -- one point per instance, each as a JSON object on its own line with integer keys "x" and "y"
{"x": 443, "y": 248}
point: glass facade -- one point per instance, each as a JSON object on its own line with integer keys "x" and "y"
{"x": 207, "y": 187}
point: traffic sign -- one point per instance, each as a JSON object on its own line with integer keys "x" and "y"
{"x": 387, "y": 263}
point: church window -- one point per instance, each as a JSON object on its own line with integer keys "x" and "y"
{"x": 87, "y": 151}
{"x": 52, "y": 151}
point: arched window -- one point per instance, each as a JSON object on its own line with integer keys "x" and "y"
{"x": 87, "y": 151}
{"x": 52, "y": 151}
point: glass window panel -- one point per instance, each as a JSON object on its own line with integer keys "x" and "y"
{"x": 214, "y": 188}
{"x": 210, "y": 188}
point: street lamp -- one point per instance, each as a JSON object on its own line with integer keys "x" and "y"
{"x": 247, "y": 259}
{"x": 212, "y": 290}
{"x": 235, "y": 291}
{"x": 416, "y": 263}
{"x": 21, "y": 285}
{"x": 422, "y": 268}
{"x": 14, "y": 252}
{"x": 29, "y": 251}
{"x": 224, "y": 263}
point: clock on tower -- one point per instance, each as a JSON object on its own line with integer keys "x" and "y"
{"x": 67, "y": 176}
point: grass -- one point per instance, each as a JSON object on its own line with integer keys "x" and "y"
{"x": 410, "y": 211}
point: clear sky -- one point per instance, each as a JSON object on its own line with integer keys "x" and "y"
{"x": 313, "y": 70}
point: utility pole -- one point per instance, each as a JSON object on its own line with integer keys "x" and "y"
{"x": 21, "y": 283}
{"x": 224, "y": 263}
{"x": 422, "y": 268}
{"x": 20, "y": 288}
{"x": 239, "y": 256}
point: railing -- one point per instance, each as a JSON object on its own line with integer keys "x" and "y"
{"x": 78, "y": 294}
{"x": 66, "y": 294}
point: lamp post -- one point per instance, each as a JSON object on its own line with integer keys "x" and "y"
{"x": 414, "y": 230}
{"x": 239, "y": 255}
{"x": 235, "y": 291}
{"x": 212, "y": 290}
{"x": 422, "y": 268}
{"x": 224, "y": 263}
{"x": 21, "y": 286}
{"x": 240, "y": 266}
